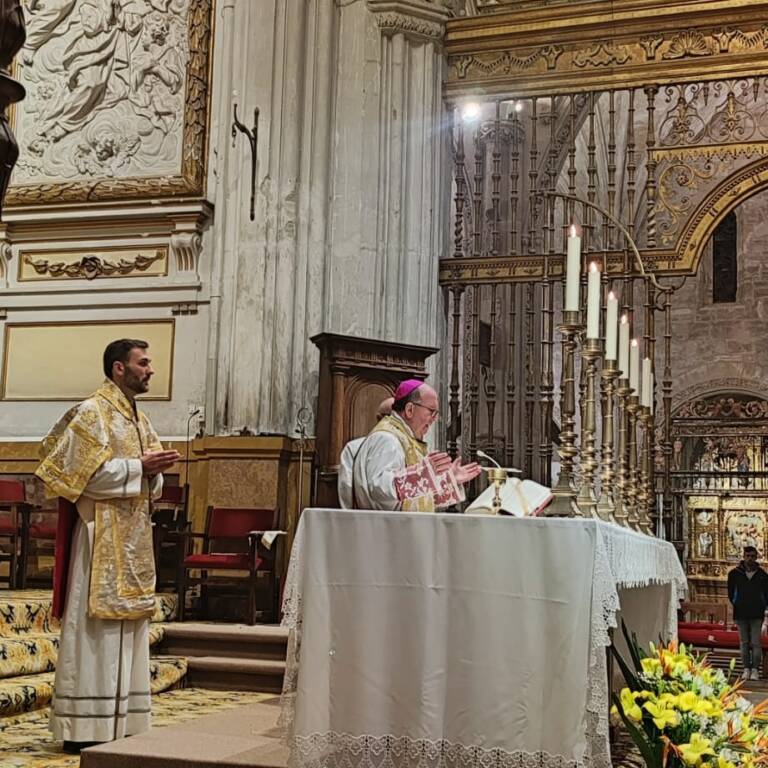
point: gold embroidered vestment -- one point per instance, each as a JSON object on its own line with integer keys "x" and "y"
{"x": 103, "y": 427}
{"x": 415, "y": 451}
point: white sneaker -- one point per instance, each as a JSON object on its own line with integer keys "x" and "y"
{"x": 755, "y": 674}
{"x": 746, "y": 674}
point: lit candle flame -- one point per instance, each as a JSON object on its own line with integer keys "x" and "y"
{"x": 624, "y": 319}
{"x": 611, "y": 296}
{"x": 634, "y": 342}
{"x": 573, "y": 230}
{"x": 593, "y": 267}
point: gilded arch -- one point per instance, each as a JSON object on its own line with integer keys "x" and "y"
{"x": 724, "y": 198}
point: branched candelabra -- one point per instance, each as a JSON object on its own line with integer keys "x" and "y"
{"x": 626, "y": 489}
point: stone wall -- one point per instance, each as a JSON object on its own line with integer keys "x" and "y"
{"x": 723, "y": 346}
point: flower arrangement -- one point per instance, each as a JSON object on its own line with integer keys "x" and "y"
{"x": 681, "y": 712}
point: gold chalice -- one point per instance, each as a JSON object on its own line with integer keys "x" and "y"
{"x": 498, "y": 476}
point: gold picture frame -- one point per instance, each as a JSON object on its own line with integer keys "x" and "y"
{"x": 190, "y": 180}
{"x": 33, "y": 353}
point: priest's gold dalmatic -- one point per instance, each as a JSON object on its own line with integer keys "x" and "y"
{"x": 92, "y": 457}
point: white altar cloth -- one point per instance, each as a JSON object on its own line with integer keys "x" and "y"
{"x": 458, "y": 641}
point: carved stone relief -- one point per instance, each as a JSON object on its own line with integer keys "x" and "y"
{"x": 91, "y": 265}
{"x": 116, "y": 91}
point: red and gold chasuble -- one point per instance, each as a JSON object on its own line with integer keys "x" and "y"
{"x": 103, "y": 427}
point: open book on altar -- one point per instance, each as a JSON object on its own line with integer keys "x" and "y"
{"x": 521, "y": 498}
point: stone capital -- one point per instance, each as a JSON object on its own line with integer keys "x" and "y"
{"x": 420, "y": 19}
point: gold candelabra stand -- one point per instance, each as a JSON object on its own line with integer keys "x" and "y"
{"x": 624, "y": 494}
{"x": 622, "y": 483}
{"x": 646, "y": 496}
{"x": 606, "y": 505}
{"x": 633, "y": 472}
{"x": 586, "y": 499}
{"x": 564, "y": 503}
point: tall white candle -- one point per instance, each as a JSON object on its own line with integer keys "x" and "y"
{"x": 645, "y": 398}
{"x": 624, "y": 347}
{"x": 593, "y": 302}
{"x": 573, "y": 271}
{"x": 611, "y": 315}
{"x": 634, "y": 366}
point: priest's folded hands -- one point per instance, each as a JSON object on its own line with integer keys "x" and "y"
{"x": 154, "y": 462}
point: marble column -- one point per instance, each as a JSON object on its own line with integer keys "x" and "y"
{"x": 351, "y": 198}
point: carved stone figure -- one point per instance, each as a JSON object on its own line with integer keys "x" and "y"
{"x": 106, "y": 81}
{"x": 705, "y": 544}
{"x": 12, "y": 32}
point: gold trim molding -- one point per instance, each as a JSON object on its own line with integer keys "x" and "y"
{"x": 191, "y": 178}
{"x": 91, "y": 266}
{"x": 592, "y": 45}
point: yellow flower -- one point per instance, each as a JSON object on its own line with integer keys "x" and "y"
{"x": 629, "y": 705}
{"x": 687, "y": 701}
{"x": 650, "y": 666}
{"x": 707, "y": 708}
{"x": 662, "y": 717}
{"x": 694, "y": 751}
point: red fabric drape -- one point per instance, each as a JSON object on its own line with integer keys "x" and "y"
{"x": 64, "y": 530}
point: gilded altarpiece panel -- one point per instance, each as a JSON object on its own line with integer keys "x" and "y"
{"x": 720, "y": 457}
{"x": 117, "y": 100}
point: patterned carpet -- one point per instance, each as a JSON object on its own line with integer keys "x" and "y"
{"x": 29, "y": 644}
{"x": 25, "y": 741}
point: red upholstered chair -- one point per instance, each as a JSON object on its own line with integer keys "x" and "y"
{"x": 13, "y": 507}
{"x": 232, "y": 543}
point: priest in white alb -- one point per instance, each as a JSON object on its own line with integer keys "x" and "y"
{"x": 394, "y": 470}
{"x": 104, "y": 456}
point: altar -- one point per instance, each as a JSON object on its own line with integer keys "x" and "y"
{"x": 458, "y": 640}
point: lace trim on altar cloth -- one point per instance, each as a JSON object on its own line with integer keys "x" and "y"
{"x": 344, "y": 750}
{"x": 292, "y": 592}
{"x": 623, "y": 559}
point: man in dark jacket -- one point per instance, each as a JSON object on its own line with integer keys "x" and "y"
{"x": 748, "y": 593}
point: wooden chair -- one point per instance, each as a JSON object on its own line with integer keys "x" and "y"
{"x": 13, "y": 508}
{"x": 169, "y": 521}
{"x": 231, "y": 543}
{"x": 37, "y": 536}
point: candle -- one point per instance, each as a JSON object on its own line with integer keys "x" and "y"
{"x": 611, "y": 314}
{"x": 624, "y": 347}
{"x": 573, "y": 271}
{"x": 593, "y": 302}
{"x": 645, "y": 395}
{"x": 634, "y": 366}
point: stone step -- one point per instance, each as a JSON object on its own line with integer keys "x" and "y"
{"x": 262, "y": 641}
{"x": 239, "y": 674}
